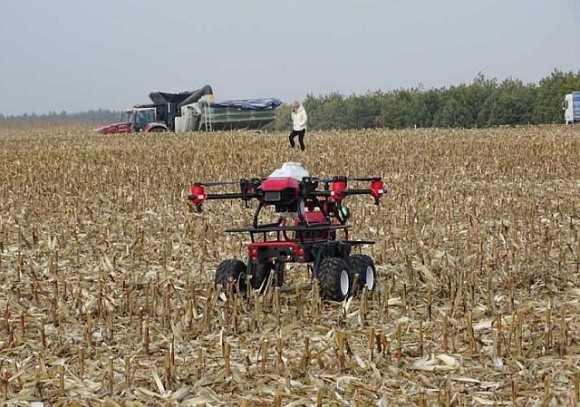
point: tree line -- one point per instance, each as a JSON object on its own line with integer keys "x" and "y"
{"x": 96, "y": 116}
{"x": 482, "y": 103}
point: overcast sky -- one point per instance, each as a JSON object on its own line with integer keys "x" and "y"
{"x": 76, "y": 55}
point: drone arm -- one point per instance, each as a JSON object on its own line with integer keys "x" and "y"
{"x": 336, "y": 187}
{"x": 198, "y": 194}
{"x": 376, "y": 191}
{"x": 228, "y": 195}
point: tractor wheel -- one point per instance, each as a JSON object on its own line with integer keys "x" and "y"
{"x": 334, "y": 278}
{"x": 364, "y": 266}
{"x": 156, "y": 130}
{"x": 234, "y": 269}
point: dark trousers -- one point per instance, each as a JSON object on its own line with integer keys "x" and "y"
{"x": 300, "y": 134}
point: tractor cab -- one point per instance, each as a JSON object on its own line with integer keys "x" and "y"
{"x": 139, "y": 117}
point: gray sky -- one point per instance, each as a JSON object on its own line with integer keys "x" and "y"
{"x": 76, "y": 55}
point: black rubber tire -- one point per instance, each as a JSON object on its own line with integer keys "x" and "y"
{"x": 331, "y": 274}
{"x": 234, "y": 269}
{"x": 364, "y": 266}
{"x": 156, "y": 130}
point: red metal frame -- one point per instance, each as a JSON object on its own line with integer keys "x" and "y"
{"x": 116, "y": 128}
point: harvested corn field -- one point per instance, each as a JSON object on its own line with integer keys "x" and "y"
{"x": 107, "y": 278}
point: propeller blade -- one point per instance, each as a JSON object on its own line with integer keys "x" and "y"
{"x": 319, "y": 179}
{"x": 215, "y": 183}
{"x": 364, "y": 178}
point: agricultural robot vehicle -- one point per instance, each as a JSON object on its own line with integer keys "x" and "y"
{"x": 311, "y": 228}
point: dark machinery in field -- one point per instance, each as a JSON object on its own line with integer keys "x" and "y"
{"x": 311, "y": 228}
{"x": 194, "y": 111}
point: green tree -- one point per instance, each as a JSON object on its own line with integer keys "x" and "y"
{"x": 548, "y": 108}
{"x": 511, "y": 103}
{"x": 455, "y": 112}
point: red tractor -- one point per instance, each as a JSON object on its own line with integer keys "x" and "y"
{"x": 311, "y": 228}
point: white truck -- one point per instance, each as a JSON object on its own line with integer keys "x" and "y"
{"x": 571, "y": 107}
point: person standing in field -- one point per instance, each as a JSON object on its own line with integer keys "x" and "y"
{"x": 299, "y": 119}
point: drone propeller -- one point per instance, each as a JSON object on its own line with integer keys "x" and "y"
{"x": 216, "y": 183}
{"x": 364, "y": 178}
{"x": 320, "y": 179}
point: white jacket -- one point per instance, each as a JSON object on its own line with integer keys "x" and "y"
{"x": 299, "y": 119}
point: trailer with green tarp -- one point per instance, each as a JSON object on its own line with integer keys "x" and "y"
{"x": 228, "y": 115}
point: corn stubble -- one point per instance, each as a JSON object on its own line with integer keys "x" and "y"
{"x": 107, "y": 294}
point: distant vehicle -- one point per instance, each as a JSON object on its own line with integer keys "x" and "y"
{"x": 194, "y": 111}
{"x": 571, "y": 106}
